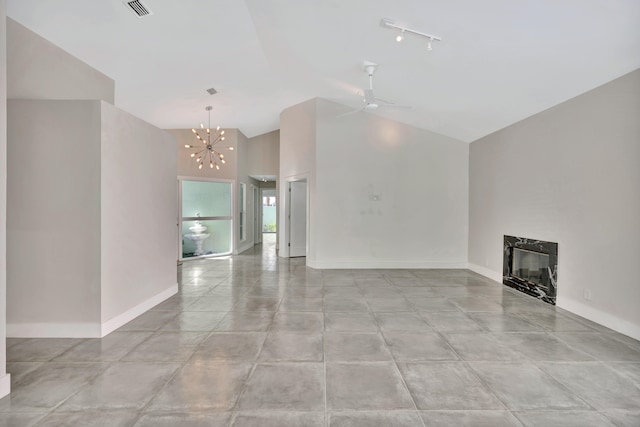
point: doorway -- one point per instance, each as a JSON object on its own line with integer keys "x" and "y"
{"x": 269, "y": 210}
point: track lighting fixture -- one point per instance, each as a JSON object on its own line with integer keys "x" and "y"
{"x": 388, "y": 23}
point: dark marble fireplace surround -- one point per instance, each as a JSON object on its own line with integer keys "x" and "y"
{"x": 531, "y": 266}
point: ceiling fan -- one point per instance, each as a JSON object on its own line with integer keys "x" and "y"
{"x": 371, "y": 102}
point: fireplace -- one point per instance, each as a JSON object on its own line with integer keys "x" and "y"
{"x": 531, "y": 266}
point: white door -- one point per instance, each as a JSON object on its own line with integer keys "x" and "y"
{"x": 297, "y": 218}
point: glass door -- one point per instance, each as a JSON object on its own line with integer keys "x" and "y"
{"x": 206, "y": 218}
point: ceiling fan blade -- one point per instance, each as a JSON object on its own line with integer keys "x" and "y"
{"x": 384, "y": 100}
{"x": 395, "y": 107}
{"x": 348, "y": 113}
{"x": 392, "y": 105}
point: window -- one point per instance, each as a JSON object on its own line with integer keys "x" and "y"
{"x": 205, "y": 218}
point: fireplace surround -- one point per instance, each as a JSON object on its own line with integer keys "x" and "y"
{"x": 531, "y": 266}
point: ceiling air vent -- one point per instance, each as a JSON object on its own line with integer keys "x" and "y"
{"x": 212, "y": 91}
{"x": 139, "y": 8}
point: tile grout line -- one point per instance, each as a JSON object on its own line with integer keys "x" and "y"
{"x": 234, "y": 409}
{"x": 324, "y": 367}
{"x": 233, "y": 412}
{"x": 397, "y": 368}
{"x": 182, "y": 364}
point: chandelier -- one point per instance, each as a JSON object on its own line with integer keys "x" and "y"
{"x": 210, "y": 140}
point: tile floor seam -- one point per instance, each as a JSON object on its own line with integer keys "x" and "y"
{"x": 80, "y": 389}
{"x": 50, "y": 359}
{"x": 553, "y": 380}
{"x": 324, "y": 370}
{"x": 252, "y": 276}
{"x": 397, "y": 369}
{"x": 576, "y": 393}
{"x": 559, "y": 338}
{"x": 135, "y": 347}
{"x": 142, "y": 410}
{"x": 234, "y": 408}
{"x": 486, "y": 385}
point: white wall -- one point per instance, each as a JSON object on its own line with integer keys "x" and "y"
{"x": 91, "y": 218}
{"x": 297, "y": 161}
{"x": 38, "y": 69}
{"x": 243, "y": 177}
{"x": 53, "y": 218}
{"x": 297, "y": 140}
{"x": 139, "y": 208}
{"x": 570, "y": 175}
{"x": 388, "y": 195}
{"x": 5, "y": 382}
{"x": 264, "y": 159}
{"x": 382, "y": 194}
{"x": 264, "y": 154}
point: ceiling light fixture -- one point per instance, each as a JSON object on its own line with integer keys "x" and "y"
{"x": 209, "y": 139}
{"x": 388, "y": 23}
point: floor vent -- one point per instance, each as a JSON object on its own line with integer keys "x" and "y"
{"x": 139, "y": 8}
{"x": 212, "y": 91}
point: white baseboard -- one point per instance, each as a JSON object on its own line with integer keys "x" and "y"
{"x": 244, "y": 247}
{"x": 119, "y": 320}
{"x": 605, "y": 319}
{"x": 86, "y": 330}
{"x": 5, "y": 385}
{"x": 53, "y": 330}
{"x": 483, "y": 271}
{"x": 575, "y": 307}
{"x": 391, "y": 264}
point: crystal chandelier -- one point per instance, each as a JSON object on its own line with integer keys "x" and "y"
{"x": 210, "y": 140}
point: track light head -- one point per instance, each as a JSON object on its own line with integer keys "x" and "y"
{"x": 388, "y": 23}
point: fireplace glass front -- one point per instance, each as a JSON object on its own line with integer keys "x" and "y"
{"x": 531, "y": 266}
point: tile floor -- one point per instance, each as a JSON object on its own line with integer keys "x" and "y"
{"x": 254, "y": 340}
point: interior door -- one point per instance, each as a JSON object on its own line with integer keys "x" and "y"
{"x": 297, "y": 218}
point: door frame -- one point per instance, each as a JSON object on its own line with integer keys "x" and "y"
{"x": 287, "y": 214}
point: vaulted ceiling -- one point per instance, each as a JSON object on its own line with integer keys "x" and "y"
{"x": 499, "y": 60}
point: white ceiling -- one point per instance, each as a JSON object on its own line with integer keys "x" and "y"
{"x": 499, "y": 62}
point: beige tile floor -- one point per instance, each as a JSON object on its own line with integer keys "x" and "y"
{"x": 254, "y": 340}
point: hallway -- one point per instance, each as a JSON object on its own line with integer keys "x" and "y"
{"x": 257, "y": 340}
